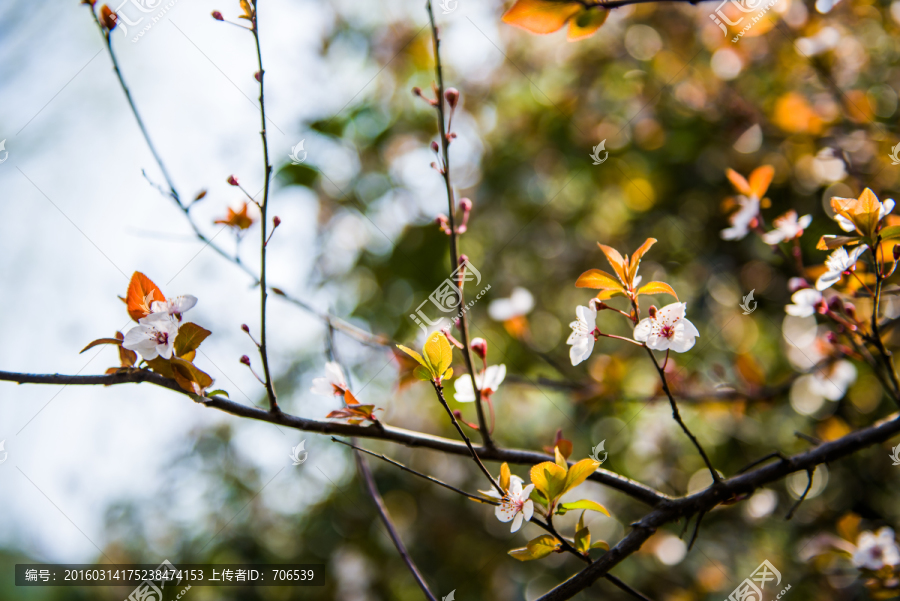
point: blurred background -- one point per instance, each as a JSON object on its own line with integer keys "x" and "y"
{"x": 138, "y": 474}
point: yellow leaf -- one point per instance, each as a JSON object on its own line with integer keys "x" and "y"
{"x": 600, "y": 544}
{"x": 549, "y": 478}
{"x": 414, "y": 355}
{"x": 739, "y": 182}
{"x": 579, "y": 472}
{"x": 540, "y": 16}
{"x": 832, "y": 242}
{"x": 248, "y": 10}
{"x": 582, "y": 535}
{"x": 537, "y": 548}
{"x": 635, "y": 261}
{"x": 504, "y": 476}
{"x": 438, "y": 353}
{"x": 582, "y": 504}
{"x": 608, "y": 294}
{"x": 598, "y": 280}
{"x": 586, "y": 23}
{"x": 560, "y": 459}
{"x": 657, "y": 288}
{"x": 760, "y": 180}
{"x": 448, "y": 374}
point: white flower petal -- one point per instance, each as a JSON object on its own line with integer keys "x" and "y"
{"x": 464, "y": 392}
{"x": 517, "y": 522}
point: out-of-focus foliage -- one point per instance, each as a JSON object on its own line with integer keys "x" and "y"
{"x": 812, "y": 94}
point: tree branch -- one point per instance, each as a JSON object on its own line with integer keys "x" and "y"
{"x": 636, "y": 490}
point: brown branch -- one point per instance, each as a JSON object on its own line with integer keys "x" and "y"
{"x": 263, "y": 222}
{"x": 454, "y": 235}
{"x": 705, "y": 500}
{"x": 386, "y": 518}
{"x": 636, "y": 490}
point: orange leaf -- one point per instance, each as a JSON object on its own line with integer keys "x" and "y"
{"x": 240, "y": 219}
{"x": 141, "y": 292}
{"x": 657, "y": 288}
{"x": 608, "y": 294}
{"x": 760, "y": 180}
{"x": 635, "y": 261}
{"x": 586, "y": 23}
{"x": 540, "y": 16}
{"x": 740, "y": 184}
{"x": 616, "y": 260}
{"x": 100, "y": 341}
{"x": 598, "y": 280}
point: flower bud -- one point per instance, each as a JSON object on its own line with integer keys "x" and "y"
{"x": 90, "y": 2}
{"x": 652, "y": 311}
{"x": 232, "y": 180}
{"x": 417, "y": 91}
{"x": 479, "y": 347}
{"x": 850, "y": 310}
{"x": 434, "y": 146}
{"x": 217, "y": 16}
{"x": 452, "y": 97}
{"x": 465, "y": 204}
{"x": 457, "y": 414}
{"x": 108, "y": 18}
{"x": 246, "y": 328}
{"x": 258, "y": 76}
{"x": 832, "y": 338}
{"x": 463, "y": 259}
{"x": 245, "y": 360}
{"x": 276, "y": 221}
{"x": 835, "y": 304}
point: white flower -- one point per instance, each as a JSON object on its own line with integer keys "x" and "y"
{"x": 519, "y": 303}
{"x": 582, "y": 336}
{"x": 741, "y": 220}
{"x": 883, "y": 209}
{"x": 488, "y": 382}
{"x": 839, "y": 262}
{"x": 174, "y": 306}
{"x": 668, "y": 330}
{"x": 805, "y": 302}
{"x": 874, "y": 551}
{"x": 153, "y": 337}
{"x": 833, "y": 382}
{"x": 787, "y": 227}
{"x": 516, "y": 506}
{"x": 333, "y": 382}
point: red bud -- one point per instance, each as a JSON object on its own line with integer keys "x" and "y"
{"x": 465, "y": 204}
{"x": 276, "y": 221}
{"x": 108, "y": 18}
{"x": 832, "y": 338}
{"x": 233, "y": 180}
{"x": 417, "y": 91}
{"x": 246, "y": 328}
{"x": 652, "y": 311}
{"x": 463, "y": 259}
{"x": 452, "y": 97}
{"x": 434, "y": 146}
{"x": 217, "y": 16}
{"x": 245, "y": 360}
{"x": 258, "y": 76}
{"x": 479, "y": 347}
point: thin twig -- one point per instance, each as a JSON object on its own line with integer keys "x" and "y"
{"x": 631, "y": 591}
{"x": 392, "y": 530}
{"x": 763, "y": 459}
{"x": 809, "y": 479}
{"x": 263, "y": 222}
{"x": 485, "y": 500}
{"x": 440, "y": 394}
{"x": 696, "y": 530}
{"x": 675, "y": 413}
{"x": 454, "y": 235}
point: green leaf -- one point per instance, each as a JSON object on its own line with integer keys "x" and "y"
{"x": 538, "y": 497}
{"x": 218, "y": 392}
{"x": 582, "y": 504}
{"x": 438, "y": 353}
{"x": 190, "y": 335}
{"x": 100, "y": 341}
{"x": 423, "y": 373}
{"x": 537, "y": 548}
{"x": 600, "y": 544}
{"x": 298, "y": 175}
{"x": 890, "y": 233}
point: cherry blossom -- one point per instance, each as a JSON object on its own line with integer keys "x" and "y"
{"x": 488, "y": 382}
{"x": 876, "y": 550}
{"x": 516, "y": 506}
{"x": 582, "y": 336}
{"x": 832, "y": 382}
{"x": 668, "y": 329}
{"x": 333, "y": 383}
{"x": 743, "y": 219}
{"x": 153, "y": 337}
{"x": 174, "y": 306}
{"x": 787, "y": 227}
{"x": 839, "y": 262}
{"x": 805, "y": 302}
{"x": 519, "y": 303}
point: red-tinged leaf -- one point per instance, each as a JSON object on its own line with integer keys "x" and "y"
{"x": 586, "y": 23}
{"x": 162, "y": 366}
{"x": 127, "y": 358}
{"x": 350, "y": 399}
{"x": 608, "y": 294}
{"x": 635, "y": 261}
{"x": 598, "y": 280}
{"x": 760, "y": 180}
{"x": 540, "y": 16}
{"x": 565, "y": 447}
{"x": 739, "y": 182}
{"x": 189, "y": 371}
{"x": 141, "y": 293}
{"x": 357, "y": 412}
{"x": 190, "y": 335}
{"x": 657, "y": 288}
{"x": 187, "y": 383}
{"x": 100, "y": 341}
{"x": 111, "y": 371}
{"x": 239, "y": 220}
{"x": 616, "y": 260}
